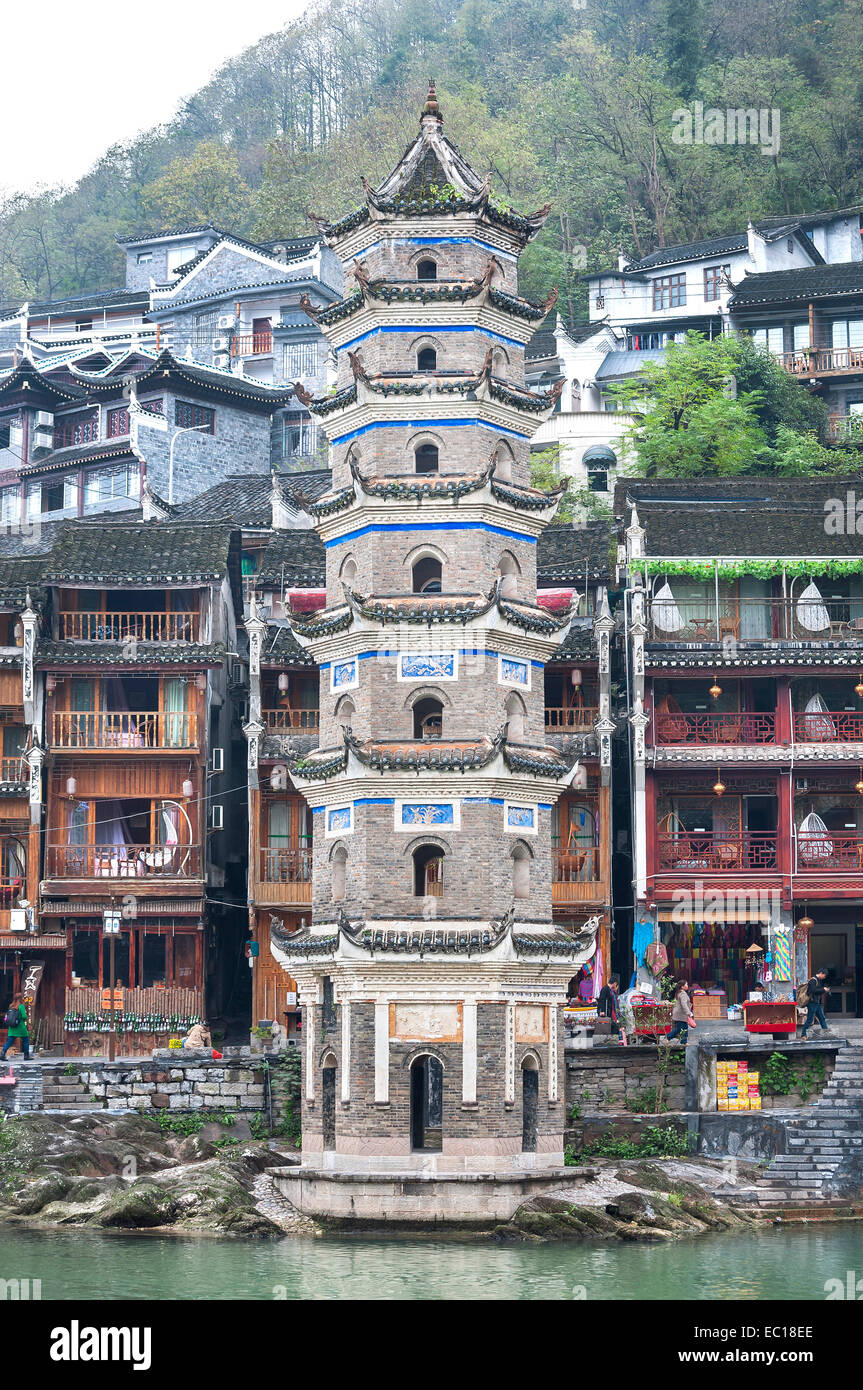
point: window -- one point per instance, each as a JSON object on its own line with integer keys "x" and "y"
{"x": 145, "y": 257}
{"x": 426, "y": 458}
{"x": 428, "y": 718}
{"x": 669, "y": 292}
{"x": 339, "y": 872}
{"x": 189, "y": 416}
{"x": 52, "y": 495}
{"x": 156, "y": 406}
{"x": 426, "y": 576}
{"x": 104, "y": 484}
{"x": 153, "y": 960}
{"x": 773, "y": 339}
{"x": 5, "y": 433}
{"x": 597, "y": 479}
{"x": 178, "y": 256}
{"x": 76, "y": 429}
{"x": 10, "y": 505}
{"x": 205, "y": 328}
{"x": 428, "y": 871}
{"x": 848, "y": 333}
{"x": 118, "y": 421}
{"x": 801, "y": 337}
{"x": 713, "y": 280}
{"x": 426, "y": 270}
{"x": 299, "y": 437}
{"x": 83, "y": 325}
{"x": 300, "y": 359}
{"x": 427, "y": 360}
{"x": 521, "y": 872}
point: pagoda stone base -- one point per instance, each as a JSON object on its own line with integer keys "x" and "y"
{"x": 418, "y": 1199}
{"x": 486, "y": 1155}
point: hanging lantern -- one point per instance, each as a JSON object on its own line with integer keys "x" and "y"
{"x": 50, "y": 684}
{"x": 718, "y": 785}
{"x": 805, "y": 923}
{"x": 188, "y": 789}
{"x": 284, "y": 681}
{"x": 18, "y": 634}
{"x": 71, "y": 786}
{"x": 575, "y": 676}
{"x": 858, "y": 689}
{"x": 858, "y": 785}
{"x": 716, "y": 688}
{"x": 201, "y": 681}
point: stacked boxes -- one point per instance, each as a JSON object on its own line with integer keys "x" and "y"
{"x": 737, "y": 1088}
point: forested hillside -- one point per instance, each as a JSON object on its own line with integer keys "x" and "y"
{"x": 564, "y": 104}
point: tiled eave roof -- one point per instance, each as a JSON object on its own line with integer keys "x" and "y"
{"x": 145, "y": 553}
{"x": 12, "y": 789}
{"x": 78, "y": 453}
{"x": 121, "y": 654}
{"x": 212, "y": 380}
{"x": 804, "y": 283}
{"x": 709, "y": 656}
{"x": 280, "y": 648}
{"x": 461, "y": 939}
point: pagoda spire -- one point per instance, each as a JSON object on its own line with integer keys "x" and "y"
{"x": 431, "y": 111}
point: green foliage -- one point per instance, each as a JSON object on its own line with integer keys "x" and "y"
{"x": 777, "y": 1076}
{"x": 203, "y": 186}
{"x": 655, "y": 1142}
{"x": 574, "y": 1112}
{"x": 646, "y": 1101}
{"x": 285, "y": 1083}
{"x": 813, "y": 1079}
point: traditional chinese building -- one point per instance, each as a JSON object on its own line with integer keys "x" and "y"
{"x": 431, "y": 970}
{"x": 744, "y": 621}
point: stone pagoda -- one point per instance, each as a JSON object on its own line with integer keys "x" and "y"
{"x": 431, "y": 976}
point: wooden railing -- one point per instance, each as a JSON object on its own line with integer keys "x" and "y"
{"x": 13, "y": 770}
{"x": 575, "y": 875}
{"x": 285, "y": 876}
{"x": 124, "y": 861}
{"x": 815, "y": 620}
{"x": 576, "y": 719}
{"x": 283, "y": 720}
{"x": 252, "y": 344}
{"x": 11, "y": 889}
{"x": 108, "y": 729}
{"x": 690, "y": 852}
{"x": 847, "y": 428}
{"x": 823, "y": 850}
{"x": 831, "y": 726}
{"x": 715, "y": 727}
{"x": 820, "y": 361}
{"x": 127, "y": 627}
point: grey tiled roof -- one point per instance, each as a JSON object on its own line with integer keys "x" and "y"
{"x": 756, "y": 516}
{"x": 125, "y": 654}
{"x": 807, "y": 282}
{"x": 618, "y": 364}
{"x": 242, "y": 499}
{"x": 17, "y": 576}
{"x": 569, "y": 553}
{"x": 281, "y": 648}
{"x": 151, "y": 552}
{"x": 297, "y": 556}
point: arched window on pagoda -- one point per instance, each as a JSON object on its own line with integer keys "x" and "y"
{"x": 427, "y": 459}
{"x": 427, "y": 360}
{"x": 427, "y": 269}
{"x": 426, "y": 575}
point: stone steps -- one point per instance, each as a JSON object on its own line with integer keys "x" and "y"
{"x": 817, "y": 1148}
{"x": 67, "y": 1093}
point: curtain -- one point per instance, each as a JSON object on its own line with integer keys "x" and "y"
{"x": 279, "y": 825}
{"x": 755, "y": 617}
{"x": 175, "y": 713}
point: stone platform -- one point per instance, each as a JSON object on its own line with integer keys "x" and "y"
{"x": 425, "y": 1200}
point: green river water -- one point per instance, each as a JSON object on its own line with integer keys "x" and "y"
{"x": 791, "y": 1264}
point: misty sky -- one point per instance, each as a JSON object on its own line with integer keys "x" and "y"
{"x": 80, "y": 77}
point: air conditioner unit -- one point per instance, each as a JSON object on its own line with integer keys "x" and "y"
{"x": 221, "y": 345}
{"x": 44, "y": 420}
{"x": 217, "y": 760}
{"x": 217, "y": 816}
{"x": 227, "y": 320}
{"x": 16, "y": 435}
{"x": 237, "y": 674}
{"x": 221, "y": 359}
{"x": 801, "y": 784}
{"x": 18, "y": 919}
{"x": 43, "y": 439}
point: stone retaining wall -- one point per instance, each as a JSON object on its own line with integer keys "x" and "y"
{"x": 600, "y": 1080}
{"x": 170, "y": 1084}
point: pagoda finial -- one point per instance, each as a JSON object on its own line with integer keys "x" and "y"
{"x": 431, "y": 108}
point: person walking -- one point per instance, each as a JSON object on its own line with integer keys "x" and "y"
{"x": 16, "y": 1024}
{"x": 681, "y": 1013}
{"x": 608, "y": 1006}
{"x": 815, "y": 990}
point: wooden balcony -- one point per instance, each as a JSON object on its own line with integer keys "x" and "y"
{"x": 128, "y": 627}
{"x": 717, "y": 727}
{"x": 575, "y": 876}
{"x": 825, "y": 852}
{"x": 756, "y": 620}
{"x": 252, "y": 345}
{"x": 811, "y": 362}
{"x": 697, "y": 853}
{"x": 829, "y": 726}
{"x": 574, "y": 720}
{"x": 286, "y": 721}
{"x": 115, "y": 863}
{"x": 108, "y": 731}
{"x": 13, "y": 770}
{"x": 285, "y": 876}
{"x": 844, "y": 429}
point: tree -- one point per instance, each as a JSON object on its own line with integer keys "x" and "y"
{"x": 206, "y": 186}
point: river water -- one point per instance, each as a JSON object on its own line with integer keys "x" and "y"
{"x": 785, "y": 1264}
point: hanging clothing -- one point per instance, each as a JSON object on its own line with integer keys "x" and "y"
{"x": 642, "y": 937}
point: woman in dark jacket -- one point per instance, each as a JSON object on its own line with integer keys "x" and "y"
{"x": 607, "y": 1005}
